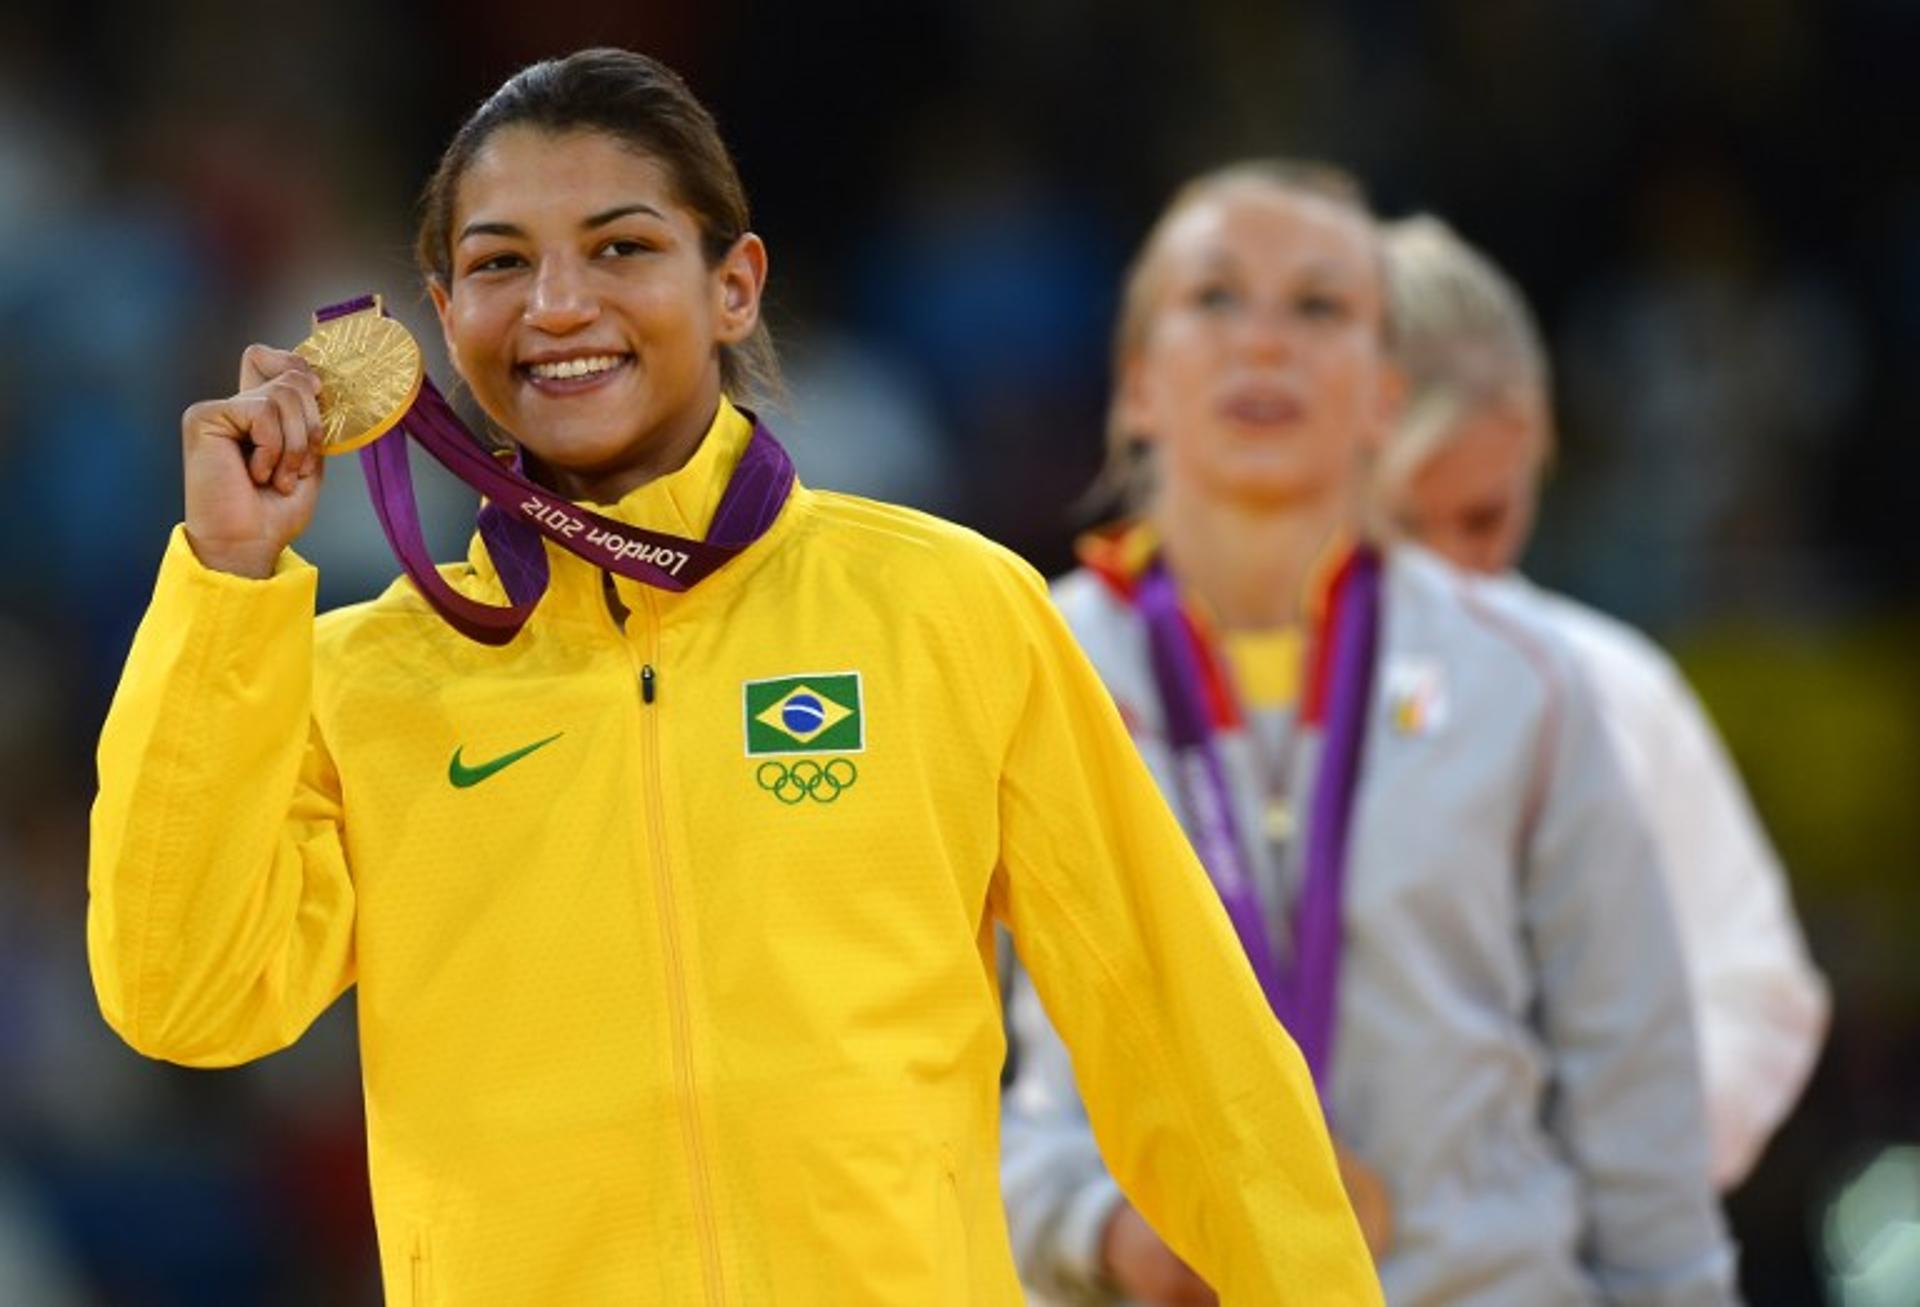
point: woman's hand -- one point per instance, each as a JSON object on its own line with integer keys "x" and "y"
{"x": 253, "y": 464}
{"x": 1140, "y": 1265}
{"x": 1372, "y": 1203}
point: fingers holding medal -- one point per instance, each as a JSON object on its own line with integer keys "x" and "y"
{"x": 251, "y": 463}
{"x": 287, "y": 447}
{"x": 253, "y": 459}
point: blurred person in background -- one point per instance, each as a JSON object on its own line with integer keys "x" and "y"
{"x": 1461, "y": 475}
{"x": 1401, "y": 788}
{"x": 648, "y": 1020}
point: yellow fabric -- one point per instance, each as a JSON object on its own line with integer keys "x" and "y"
{"x": 632, "y": 1029}
{"x": 1267, "y": 666}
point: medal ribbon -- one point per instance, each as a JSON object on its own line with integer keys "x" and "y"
{"x": 1303, "y": 990}
{"x": 517, "y": 512}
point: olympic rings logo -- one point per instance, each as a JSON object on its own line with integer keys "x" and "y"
{"x": 806, "y": 779}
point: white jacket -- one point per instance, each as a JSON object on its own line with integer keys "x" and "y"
{"x": 1760, "y": 1008}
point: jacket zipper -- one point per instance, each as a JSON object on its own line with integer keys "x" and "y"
{"x": 682, "y": 1026}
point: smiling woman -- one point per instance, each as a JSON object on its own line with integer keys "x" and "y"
{"x": 649, "y": 114}
{"x": 585, "y": 242}
{"x": 664, "y": 995}
{"x": 581, "y": 308}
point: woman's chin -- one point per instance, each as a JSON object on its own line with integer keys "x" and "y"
{"x": 569, "y": 454}
{"x": 1267, "y": 488}
{"x": 568, "y": 461}
{"x": 580, "y": 442}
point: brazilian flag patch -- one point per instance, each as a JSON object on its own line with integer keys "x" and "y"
{"x": 805, "y": 714}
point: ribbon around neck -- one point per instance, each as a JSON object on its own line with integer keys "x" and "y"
{"x": 1303, "y": 989}
{"x": 517, "y": 512}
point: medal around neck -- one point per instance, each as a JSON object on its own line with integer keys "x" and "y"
{"x": 1302, "y": 989}
{"x": 374, "y": 385}
{"x": 370, "y": 374}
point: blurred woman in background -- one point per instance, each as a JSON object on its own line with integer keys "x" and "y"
{"x": 1461, "y": 475}
{"x": 1402, "y": 792}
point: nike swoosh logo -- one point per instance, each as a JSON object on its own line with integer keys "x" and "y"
{"x": 462, "y": 775}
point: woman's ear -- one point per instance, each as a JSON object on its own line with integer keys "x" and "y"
{"x": 1132, "y": 401}
{"x": 443, "y": 309}
{"x": 739, "y": 279}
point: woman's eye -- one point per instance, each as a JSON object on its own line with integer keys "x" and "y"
{"x": 624, "y": 247}
{"x": 1326, "y": 307}
{"x": 1215, "y": 297}
{"x": 495, "y": 263}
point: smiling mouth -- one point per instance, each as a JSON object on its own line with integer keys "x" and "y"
{"x": 564, "y": 376}
{"x": 1262, "y": 409}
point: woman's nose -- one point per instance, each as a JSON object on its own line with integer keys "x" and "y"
{"x": 561, "y": 300}
{"x": 1267, "y": 335}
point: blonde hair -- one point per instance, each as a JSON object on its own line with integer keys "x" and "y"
{"x": 1463, "y": 338}
{"x": 1126, "y": 476}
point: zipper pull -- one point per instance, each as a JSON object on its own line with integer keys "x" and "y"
{"x": 646, "y": 683}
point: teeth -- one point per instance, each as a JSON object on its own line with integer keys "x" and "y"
{"x": 568, "y": 368}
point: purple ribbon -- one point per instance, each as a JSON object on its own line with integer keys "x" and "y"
{"x": 517, "y": 512}
{"x": 1302, "y": 991}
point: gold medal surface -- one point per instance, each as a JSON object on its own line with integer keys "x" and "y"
{"x": 1277, "y": 821}
{"x": 370, "y": 371}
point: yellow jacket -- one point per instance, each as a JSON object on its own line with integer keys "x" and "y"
{"x": 673, "y": 937}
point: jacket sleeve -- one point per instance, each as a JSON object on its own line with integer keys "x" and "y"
{"x": 220, "y": 910}
{"x": 1202, "y": 1107}
{"x": 1762, "y": 1007}
{"x": 1626, "y": 1102}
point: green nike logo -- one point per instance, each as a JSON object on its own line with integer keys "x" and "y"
{"x": 462, "y": 775}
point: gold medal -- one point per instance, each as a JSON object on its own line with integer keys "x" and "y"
{"x": 370, "y": 371}
{"x": 1276, "y": 820}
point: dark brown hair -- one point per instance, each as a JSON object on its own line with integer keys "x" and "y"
{"x": 643, "y": 104}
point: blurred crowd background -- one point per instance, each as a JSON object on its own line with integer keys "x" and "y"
{"x": 1714, "y": 205}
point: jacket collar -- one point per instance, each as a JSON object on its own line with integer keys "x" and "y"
{"x": 681, "y": 503}
{"x": 1120, "y": 554}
